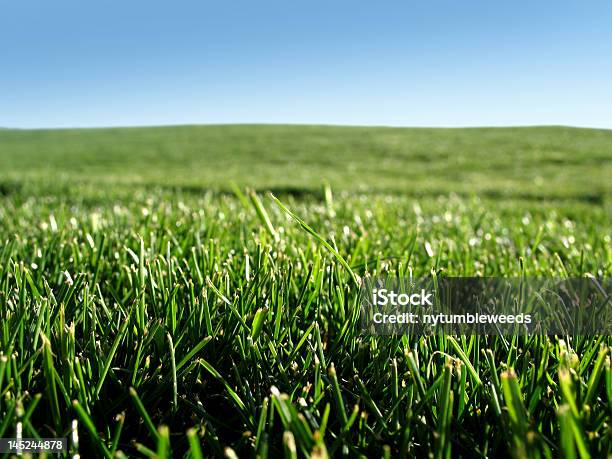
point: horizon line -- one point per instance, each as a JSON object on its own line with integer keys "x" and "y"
{"x": 382, "y": 126}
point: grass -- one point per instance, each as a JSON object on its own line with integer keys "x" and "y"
{"x": 150, "y": 308}
{"x": 530, "y": 163}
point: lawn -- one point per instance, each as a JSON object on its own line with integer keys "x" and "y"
{"x": 156, "y": 300}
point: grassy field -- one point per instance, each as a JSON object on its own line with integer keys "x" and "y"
{"x": 529, "y": 163}
{"x": 151, "y": 305}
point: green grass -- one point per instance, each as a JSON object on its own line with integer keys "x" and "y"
{"x": 554, "y": 162}
{"x": 151, "y": 308}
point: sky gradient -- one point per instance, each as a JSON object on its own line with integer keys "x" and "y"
{"x": 435, "y": 63}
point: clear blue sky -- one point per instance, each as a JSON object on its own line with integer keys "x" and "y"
{"x": 425, "y": 63}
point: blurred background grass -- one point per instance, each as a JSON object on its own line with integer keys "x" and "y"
{"x": 527, "y": 163}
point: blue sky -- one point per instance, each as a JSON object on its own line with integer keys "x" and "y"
{"x": 427, "y": 63}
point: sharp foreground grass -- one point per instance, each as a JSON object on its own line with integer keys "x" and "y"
{"x": 151, "y": 306}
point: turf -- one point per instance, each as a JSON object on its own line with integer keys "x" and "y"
{"x": 532, "y": 163}
{"x": 150, "y": 305}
